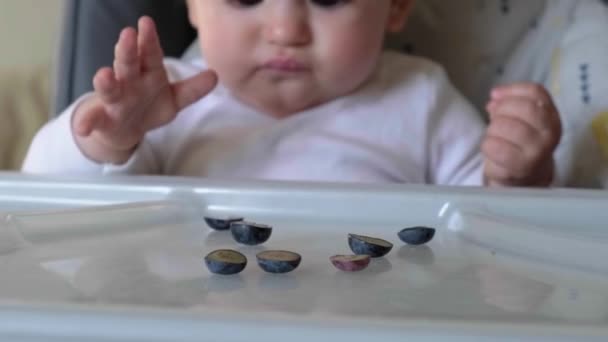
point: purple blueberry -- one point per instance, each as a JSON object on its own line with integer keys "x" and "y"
{"x": 417, "y": 235}
{"x": 250, "y": 234}
{"x": 222, "y": 224}
{"x": 278, "y": 261}
{"x": 365, "y": 245}
{"x": 225, "y": 262}
{"x": 350, "y": 263}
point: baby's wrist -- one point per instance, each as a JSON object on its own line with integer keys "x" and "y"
{"x": 547, "y": 174}
{"x": 92, "y": 148}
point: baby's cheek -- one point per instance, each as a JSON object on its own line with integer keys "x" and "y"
{"x": 351, "y": 65}
{"x": 223, "y": 60}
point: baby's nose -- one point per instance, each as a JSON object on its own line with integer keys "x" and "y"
{"x": 289, "y": 26}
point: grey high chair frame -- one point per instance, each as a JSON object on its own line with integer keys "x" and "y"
{"x": 89, "y": 33}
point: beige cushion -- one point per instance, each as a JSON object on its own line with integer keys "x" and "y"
{"x": 24, "y": 103}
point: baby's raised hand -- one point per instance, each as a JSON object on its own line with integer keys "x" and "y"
{"x": 133, "y": 97}
{"x": 524, "y": 131}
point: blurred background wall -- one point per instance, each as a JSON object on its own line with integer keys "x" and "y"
{"x": 29, "y": 31}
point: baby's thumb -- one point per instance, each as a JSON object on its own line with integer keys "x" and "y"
{"x": 191, "y": 90}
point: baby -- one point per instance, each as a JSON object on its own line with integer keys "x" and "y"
{"x": 296, "y": 90}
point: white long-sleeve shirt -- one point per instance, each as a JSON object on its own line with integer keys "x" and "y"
{"x": 407, "y": 125}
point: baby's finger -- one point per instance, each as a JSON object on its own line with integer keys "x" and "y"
{"x": 532, "y": 91}
{"x": 149, "y": 46}
{"x": 126, "y": 58}
{"x": 506, "y": 155}
{"x": 94, "y": 119}
{"x": 107, "y": 86}
{"x": 497, "y": 175}
{"x": 541, "y": 118}
{"x": 518, "y": 133}
{"x": 191, "y": 90}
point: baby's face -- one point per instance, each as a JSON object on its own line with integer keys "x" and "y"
{"x": 285, "y": 56}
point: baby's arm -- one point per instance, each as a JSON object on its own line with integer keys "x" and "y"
{"x": 130, "y": 99}
{"x": 524, "y": 131}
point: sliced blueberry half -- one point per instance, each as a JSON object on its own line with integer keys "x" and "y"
{"x": 417, "y": 235}
{"x": 251, "y": 234}
{"x": 222, "y": 224}
{"x": 350, "y": 263}
{"x": 365, "y": 245}
{"x": 278, "y": 261}
{"x": 225, "y": 262}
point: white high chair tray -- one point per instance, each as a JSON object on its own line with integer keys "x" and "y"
{"x": 508, "y": 265}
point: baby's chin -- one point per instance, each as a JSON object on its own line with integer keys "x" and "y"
{"x": 284, "y": 99}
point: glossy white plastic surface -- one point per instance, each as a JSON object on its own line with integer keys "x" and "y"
{"x": 504, "y": 265}
{"x": 106, "y": 221}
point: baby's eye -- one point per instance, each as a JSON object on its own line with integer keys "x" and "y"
{"x": 329, "y": 3}
{"x": 245, "y": 3}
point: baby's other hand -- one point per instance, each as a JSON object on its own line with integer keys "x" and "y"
{"x": 133, "y": 97}
{"x": 524, "y": 131}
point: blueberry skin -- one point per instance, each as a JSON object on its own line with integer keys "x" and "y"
{"x": 250, "y": 234}
{"x": 417, "y": 235}
{"x": 278, "y": 266}
{"x": 224, "y": 267}
{"x": 221, "y": 224}
{"x": 349, "y": 263}
{"x": 361, "y": 247}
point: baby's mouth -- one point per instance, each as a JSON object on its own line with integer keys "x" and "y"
{"x": 285, "y": 65}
